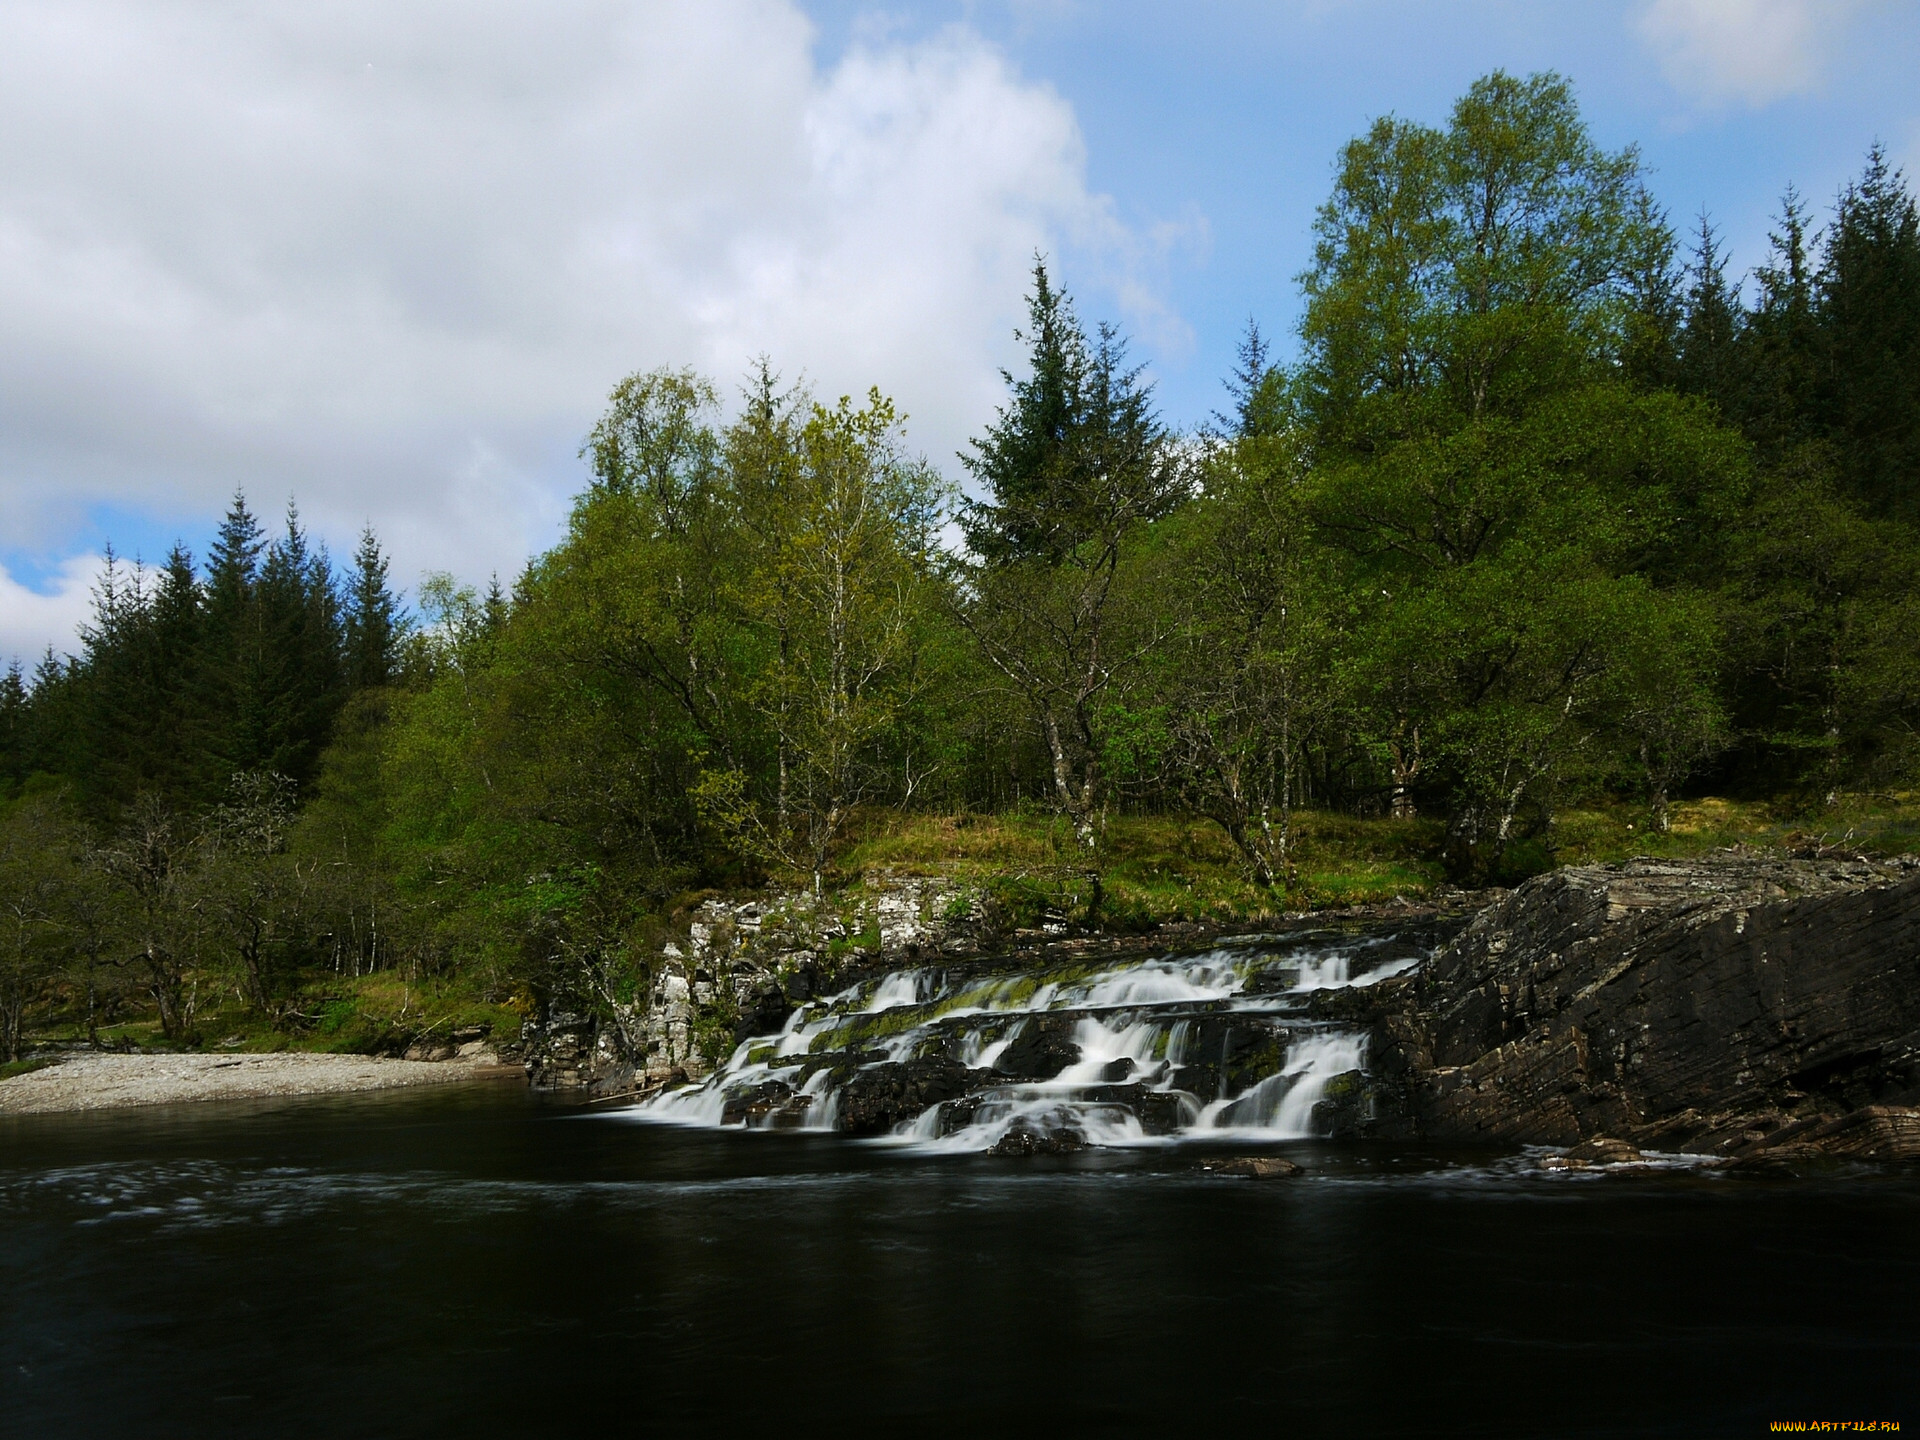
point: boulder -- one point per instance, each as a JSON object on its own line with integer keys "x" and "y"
{"x": 1718, "y": 1006}
{"x": 1041, "y": 1050}
{"x": 877, "y": 1097}
{"x": 1025, "y": 1138}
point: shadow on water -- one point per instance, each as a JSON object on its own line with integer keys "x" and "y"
{"x": 434, "y": 1262}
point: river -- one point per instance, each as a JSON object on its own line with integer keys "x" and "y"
{"x": 473, "y": 1260}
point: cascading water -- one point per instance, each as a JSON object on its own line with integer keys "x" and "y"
{"x": 1074, "y": 1052}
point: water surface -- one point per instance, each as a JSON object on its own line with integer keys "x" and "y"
{"x": 469, "y": 1260}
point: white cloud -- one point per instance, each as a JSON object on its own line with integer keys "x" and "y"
{"x": 391, "y": 258}
{"x": 31, "y": 620}
{"x": 1754, "y": 51}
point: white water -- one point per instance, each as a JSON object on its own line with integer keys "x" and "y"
{"x": 1145, "y": 1016}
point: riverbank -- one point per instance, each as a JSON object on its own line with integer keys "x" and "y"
{"x": 104, "y": 1082}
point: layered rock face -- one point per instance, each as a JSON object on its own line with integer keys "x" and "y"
{"x": 1722, "y": 1006}
{"x": 742, "y": 969}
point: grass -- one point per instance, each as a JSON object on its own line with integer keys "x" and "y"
{"x": 346, "y": 1015}
{"x": 1159, "y": 868}
{"x": 13, "y": 1068}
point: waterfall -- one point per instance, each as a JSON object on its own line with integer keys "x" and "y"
{"x": 1070, "y": 1052}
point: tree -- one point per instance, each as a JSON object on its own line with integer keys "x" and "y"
{"x": 1253, "y": 666}
{"x": 1869, "y": 289}
{"x": 1710, "y": 353}
{"x": 848, "y": 577}
{"x": 252, "y": 887}
{"x": 1076, "y": 465}
{"x": 34, "y": 843}
{"x": 1459, "y": 275}
{"x": 1508, "y": 508}
{"x": 14, "y": 718}
{"x": 149, "y": 862}
{"x": 375, "y": 626}
{"x": 1783, "y": 342}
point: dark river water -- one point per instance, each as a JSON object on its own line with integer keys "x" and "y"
{"x": 471, "y": 1262}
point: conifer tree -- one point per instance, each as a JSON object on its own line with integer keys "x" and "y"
{"x": 1781, "y": 336}
{"x": 232, "y": 654}
{"x": 1708, "y": 358}
{"x": 374, "y": 626}
{"x": 13, "y": 729}
{"x": 1076, "y": 464}
{"x": 1258, "y": 388}
{"x": 299, "y": 677}
{"x": 1026, "y": 459}
{"x": 1870, "y": 311}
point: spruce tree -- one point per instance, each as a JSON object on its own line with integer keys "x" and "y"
{"x": 1708, "y": 362}
{"x": 1258, "y": 390}
{"x": 13, "y": 729}
{"x": 299, "y": 677}
{"x": 112, "y": 690}
{"x": 1650, "y": 348}
{"x": 49, "y": 744}
{"x": 1782, "y": 340}
{"x": 373, "y": 622}
{"x": 1027, "y": 458}
{"x": 232, "y": 655}
{"x": 1870, "y": 312}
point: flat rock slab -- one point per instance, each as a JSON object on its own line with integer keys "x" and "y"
{"x": 103, "y": 1082}
{"x": 1255, "y": 1167}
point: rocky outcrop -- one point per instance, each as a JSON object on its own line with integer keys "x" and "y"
{"x": 740, "y": 969}
{"x": 1721, "y": 1006}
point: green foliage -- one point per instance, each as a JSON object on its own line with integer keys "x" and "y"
{"x": 1546, "y": 533}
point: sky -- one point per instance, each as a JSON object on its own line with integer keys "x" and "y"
{"x": 385, "y": 261}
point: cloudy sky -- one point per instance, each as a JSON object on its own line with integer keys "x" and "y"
{"x": 387, "y": 258}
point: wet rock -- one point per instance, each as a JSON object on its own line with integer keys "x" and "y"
{"x": 614, "y": 1080}
{"x": 877, "y": 1097}
{"x": 1603, "y": 1151}
{"x": 1040, "y": 1051}
{"x": 1160, "y": 1112}
{"x": 1117, "y": 1070}
{"x": 1345, "y": 1111}
{"x": 1784, "y": 1162}
{"x": 754, "y": 1106}
{"x": 1713, "y": 1005}
{"x": 763, "y": 1009}
{"x": 1254, "y": 1167}
{"x": 1880, "y": 1133}
{"x": 1025, "y": 1138}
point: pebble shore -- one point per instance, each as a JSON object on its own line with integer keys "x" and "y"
{"x": 102, "y": 1082}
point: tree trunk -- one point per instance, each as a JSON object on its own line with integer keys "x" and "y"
{"x": 1406, "y": 767}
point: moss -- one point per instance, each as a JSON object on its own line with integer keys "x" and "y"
{"x": 13, "y": 1068}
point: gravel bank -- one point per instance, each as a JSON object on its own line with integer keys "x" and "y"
{"x": 100, "y": 1082}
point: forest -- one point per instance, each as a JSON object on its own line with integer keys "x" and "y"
{"x": 1551, "y": 515}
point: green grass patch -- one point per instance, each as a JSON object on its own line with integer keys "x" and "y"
{"x": 13, "y": 1068}
{"x": 1155, "y": 869}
